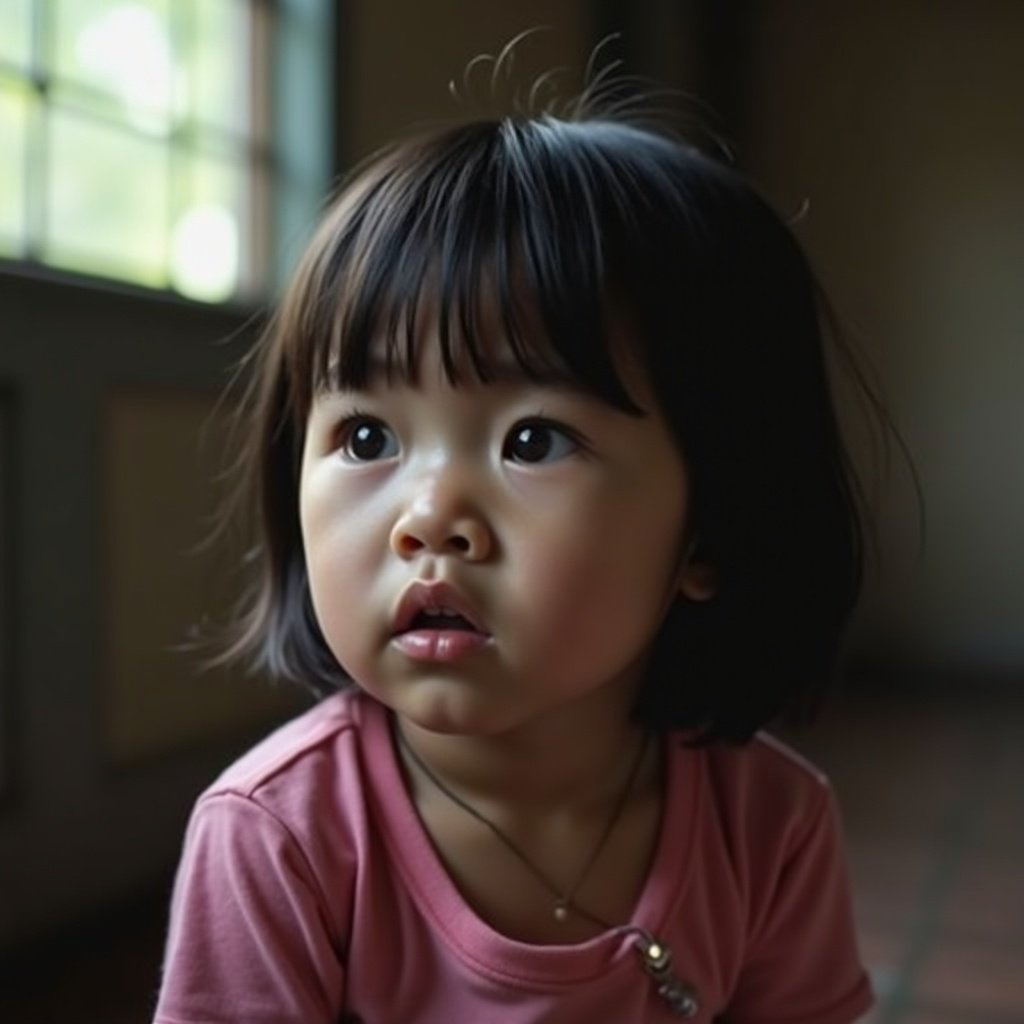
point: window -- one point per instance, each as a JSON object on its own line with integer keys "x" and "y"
{"x": 135, "y": 139}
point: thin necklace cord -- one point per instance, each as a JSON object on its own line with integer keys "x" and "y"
{"x": 565, "y": 901}
{"x": 655, "y": 956}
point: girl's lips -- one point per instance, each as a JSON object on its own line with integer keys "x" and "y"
{"x": 440, "y": 645}
{"x": 422, "y": 595}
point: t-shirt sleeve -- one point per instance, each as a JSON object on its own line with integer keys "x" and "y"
{"x": 249, "y": 939}
{"x": 801, "y": 964}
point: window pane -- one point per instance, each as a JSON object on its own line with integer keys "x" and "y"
{"x": 206, "y": 232}
{"x": 218, "y": 59}
{"x": 135, "y": 136}
{"x": 121, "y": 50}
{"x": 107, "y": 201}
{"x": 14, "y": 106}
{"x": 16, "y": 31}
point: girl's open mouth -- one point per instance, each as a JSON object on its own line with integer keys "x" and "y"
{"x": 439, "y": 638}
{"x": 433, "y": 621}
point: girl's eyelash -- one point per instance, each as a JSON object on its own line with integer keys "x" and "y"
{"x": 539, "y": 419}
{"x": 351, "y": 415}
{"x": 547, "y": 421}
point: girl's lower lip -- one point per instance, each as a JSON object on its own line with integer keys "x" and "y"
{"x": 439, "y": 644}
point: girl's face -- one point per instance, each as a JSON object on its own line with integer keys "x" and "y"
{"x": 549, "y": 521}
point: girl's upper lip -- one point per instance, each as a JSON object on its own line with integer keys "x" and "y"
{"x": 422, "y": 594}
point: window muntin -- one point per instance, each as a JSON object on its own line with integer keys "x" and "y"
{"x": 132, "y": 141}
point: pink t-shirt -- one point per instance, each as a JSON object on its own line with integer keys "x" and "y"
{"x": 308, "y": 892}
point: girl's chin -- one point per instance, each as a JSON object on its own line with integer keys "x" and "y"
{"x": 437, "y": 705}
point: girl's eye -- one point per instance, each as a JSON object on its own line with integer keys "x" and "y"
{"x": 367, "y": 440}
{"x": 537, "y": 442}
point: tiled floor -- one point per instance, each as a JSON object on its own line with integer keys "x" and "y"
{"x": 933, "y": 800}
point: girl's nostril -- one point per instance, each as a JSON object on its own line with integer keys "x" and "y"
{"x": 409, "y": 545}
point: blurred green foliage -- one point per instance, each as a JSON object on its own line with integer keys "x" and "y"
{"x": 126, "y": 139}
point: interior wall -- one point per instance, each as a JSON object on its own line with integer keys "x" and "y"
{"x": 697, "y": 51}
{"x": 109, "y": 728}
{"x": 399, "y": 56}
{"x": 899, "y": 125}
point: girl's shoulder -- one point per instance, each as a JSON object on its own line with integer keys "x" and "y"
{"x": 317, "y": 739}
{"x": 297, "y": 739}
{"x": 764, "y": 767}
{"x": 308, "y": 786}
{"x": 763, "y": 793}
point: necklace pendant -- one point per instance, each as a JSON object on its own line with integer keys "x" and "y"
{"x": 657, "y": 960}
{"x": 561, "y": 911}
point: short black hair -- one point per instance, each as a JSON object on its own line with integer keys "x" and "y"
{"x": 585, "y": 220}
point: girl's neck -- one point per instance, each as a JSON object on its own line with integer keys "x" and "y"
{"x": 563, "y": 761}
{"x": 574, "y": 800}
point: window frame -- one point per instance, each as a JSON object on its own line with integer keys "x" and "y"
{"x": 291, "y": 154}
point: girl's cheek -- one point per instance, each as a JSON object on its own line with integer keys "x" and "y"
{"x": 331, "y": 492}
{"x": 571, "y": 489}
{"x": 568, "y": 566}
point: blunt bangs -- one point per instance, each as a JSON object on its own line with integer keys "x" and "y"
{"x": 519, "y": 228}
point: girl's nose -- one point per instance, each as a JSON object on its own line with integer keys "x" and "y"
{"x": 431, "y": 525}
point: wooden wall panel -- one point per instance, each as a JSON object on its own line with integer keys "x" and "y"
{"x": 163, "y": 454}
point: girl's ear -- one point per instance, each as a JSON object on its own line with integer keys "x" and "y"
{"x": 698, "y": 581}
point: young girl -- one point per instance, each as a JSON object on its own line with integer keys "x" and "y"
{"x": 555, "y": 517}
